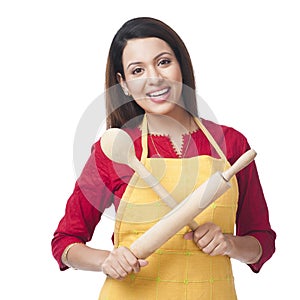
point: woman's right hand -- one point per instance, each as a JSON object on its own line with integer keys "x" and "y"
{"x": 121, "y": 262}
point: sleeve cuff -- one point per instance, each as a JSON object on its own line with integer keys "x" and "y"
{"x": 267, "y": 242}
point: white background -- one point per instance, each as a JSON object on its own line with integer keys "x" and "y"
{"x": 52, "y": 64}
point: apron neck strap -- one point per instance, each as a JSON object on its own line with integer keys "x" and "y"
{"x": 200, "y": 125}
{"x": 210, "y": 139}
{"x": 144, "y": 139}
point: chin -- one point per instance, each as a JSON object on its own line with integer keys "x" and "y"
{"x": 167, "y": 109}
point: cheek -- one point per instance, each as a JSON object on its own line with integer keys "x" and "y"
{"x": 136, "y": 87}
{"x": 173, "y": 74}
{"x": 177, "y": 75}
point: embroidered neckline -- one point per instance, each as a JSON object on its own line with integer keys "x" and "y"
{"x": 180, "y": 152}
{"x": 168, "y": 136}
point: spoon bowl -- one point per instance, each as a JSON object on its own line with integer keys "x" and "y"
{"x": 118, "y": 146}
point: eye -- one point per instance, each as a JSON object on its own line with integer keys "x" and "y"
{"x": 164, "y": 61}
{"x": 137, "y": 70}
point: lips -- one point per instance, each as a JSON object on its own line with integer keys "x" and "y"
{"x": 159, "y": 95}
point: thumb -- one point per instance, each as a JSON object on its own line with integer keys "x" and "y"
{"x": 189, "y": 235}
{"x": 143, "y": 262}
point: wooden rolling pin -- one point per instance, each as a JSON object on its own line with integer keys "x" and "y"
{"x": 188, "y": 209}
{"x": 118, "y": 146}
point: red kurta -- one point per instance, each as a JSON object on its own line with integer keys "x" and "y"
{"x": 103, "y": 183}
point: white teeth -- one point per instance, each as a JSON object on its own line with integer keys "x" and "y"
{"x": 158, "y": 93}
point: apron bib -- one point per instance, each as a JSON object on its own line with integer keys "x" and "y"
{"x": 179, "y": 270}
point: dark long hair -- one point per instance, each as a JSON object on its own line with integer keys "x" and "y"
{"x": 120, "y": 108}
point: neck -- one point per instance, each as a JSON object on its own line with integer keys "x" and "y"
{"x": 172, "y": 125}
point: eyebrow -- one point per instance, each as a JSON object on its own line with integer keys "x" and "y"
{"x": 156, "y": 57}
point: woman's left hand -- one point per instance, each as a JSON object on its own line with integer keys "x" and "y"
{"x": 210, "y": 239}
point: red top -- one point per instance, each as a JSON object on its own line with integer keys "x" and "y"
{"x": 103, "y": 183}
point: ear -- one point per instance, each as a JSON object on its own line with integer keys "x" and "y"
{"x": 123, "y": 84}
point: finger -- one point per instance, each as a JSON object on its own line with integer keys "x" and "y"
{"x": 119, "y": 269}
{"x": 206, "y": 234}
{"x": 223, "y": 248}
{"x": 127, "y": 264}
{"x": 218, "y": 250}
{"x": 111, "y": 272}
{"x": 132, "y": 261}
{"x": 215, "y": 245}
{"x": 209, "y": 248}
{"x": 204, "y": 242}
{"x": 200, "y": 232}
{"x": 189, "y": 235}
{"x": 143, "y": 262}
{"x": 115, "y": 264}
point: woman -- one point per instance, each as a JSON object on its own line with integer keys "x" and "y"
{"x": 151, "y": 94}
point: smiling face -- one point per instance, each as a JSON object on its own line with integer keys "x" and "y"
{"x": 152, "y": 76}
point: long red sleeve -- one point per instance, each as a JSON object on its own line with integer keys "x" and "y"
{"x": 253, "y": 215}
{"x": 91, "y": 195}
{"x": 103, "y": 183}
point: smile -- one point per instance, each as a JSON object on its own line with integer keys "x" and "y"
{"x": 158, "y": 94}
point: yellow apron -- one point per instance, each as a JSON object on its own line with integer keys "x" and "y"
{"x": 179, "y": 269}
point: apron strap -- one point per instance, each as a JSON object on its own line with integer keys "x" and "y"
{"x": 144, "y": 139}
{"x": 210, "y": 139}
{"x": 198, "y": 122}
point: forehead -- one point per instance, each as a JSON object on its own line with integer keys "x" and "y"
{"x": 144, "y": 48}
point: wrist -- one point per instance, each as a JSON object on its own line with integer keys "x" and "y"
{"x": 230, "y": 244}
{"x": 246, "y": 249}
{"x": 64, "y": 256}
{"x": 103, "y": 255}
{"x": 257, "y": 257}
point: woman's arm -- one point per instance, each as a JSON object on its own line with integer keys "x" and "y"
{"x": 117, "y": 264}
{"x": 252, "y": 218}
{"x": 246, "y": 249}
{"x": 80, "y": 256}
{"x": 91, "y": 196}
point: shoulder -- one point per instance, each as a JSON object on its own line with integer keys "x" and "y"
{"x": 232, "y": 141}
{"x": 227, "y": 131}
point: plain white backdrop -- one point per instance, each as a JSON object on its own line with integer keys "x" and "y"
{"x": 52, "y": 63}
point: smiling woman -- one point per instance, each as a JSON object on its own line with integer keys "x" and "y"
{"x": 166, "y": 48}
{"x": 152, "y": 76}
{"x": 151, "y": 95}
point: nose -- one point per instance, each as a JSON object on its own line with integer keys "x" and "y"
{"x": 154, "y": 77}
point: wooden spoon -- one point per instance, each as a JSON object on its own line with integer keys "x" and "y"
{"x": 118, "y": 146}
